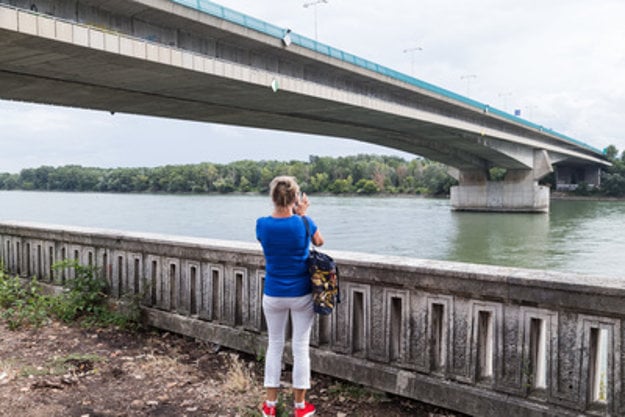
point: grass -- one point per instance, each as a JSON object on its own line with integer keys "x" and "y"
{"x": 74, "y": 363}
{"x": 355, "y": 392}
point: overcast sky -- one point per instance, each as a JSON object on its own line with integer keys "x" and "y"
{"x": 561, "y": 62}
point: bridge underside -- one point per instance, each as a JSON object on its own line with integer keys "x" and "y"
{"x": 49, "y": 61}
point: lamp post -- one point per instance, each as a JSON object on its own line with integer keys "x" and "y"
{"x": 468, "y": 77}
{"x": 314, "y": 4}
{"x": 412, "y": 51}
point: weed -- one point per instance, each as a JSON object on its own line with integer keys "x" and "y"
{"x": 8, "y": 371}
{"x": 84, "y": 300}
{"x": 603, "y": 387}
{"x": 526, "y": 371}
{"x": 260, "y": 355}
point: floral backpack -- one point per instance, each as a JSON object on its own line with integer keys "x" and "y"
{"x": 324, "y": 278}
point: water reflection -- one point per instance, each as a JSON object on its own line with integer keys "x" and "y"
{"x": 589, "y": 235}
{"x": 576, "y": 236}
{"x": 512, "y": 239}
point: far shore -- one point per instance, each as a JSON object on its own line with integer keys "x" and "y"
{"x": 555, "y": 195}
{"x": 564, "y": 196}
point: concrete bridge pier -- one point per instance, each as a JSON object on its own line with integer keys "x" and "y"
{"x": 518, "y": 192}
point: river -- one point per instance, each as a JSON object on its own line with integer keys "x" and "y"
{"x": 576, "y": 236}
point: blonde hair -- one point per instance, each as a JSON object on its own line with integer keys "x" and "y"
{"x": 283, "y": 191}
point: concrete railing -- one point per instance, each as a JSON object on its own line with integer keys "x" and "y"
{"x": 482, "y": 340}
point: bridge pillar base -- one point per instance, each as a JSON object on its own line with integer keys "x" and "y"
{"x": 501, "y": 196}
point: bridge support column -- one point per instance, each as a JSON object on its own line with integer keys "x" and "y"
{"x": 518, "y": 192}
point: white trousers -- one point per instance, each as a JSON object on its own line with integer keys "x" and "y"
{"x": 276, "y": 311}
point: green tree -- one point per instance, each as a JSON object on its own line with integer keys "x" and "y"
{"x": 9, "y": 181}
{"x": 319, "y": 182}
{"x": 436, "y": 180}
{"x": 342, "y": 186}
{"x": 364, "y": 186}
{"x": 497, "y": 173}
{"x": 611, "y": 152}
{"x": 613, "y": 185}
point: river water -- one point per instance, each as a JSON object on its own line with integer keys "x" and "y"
{"x": 577, "y": 236}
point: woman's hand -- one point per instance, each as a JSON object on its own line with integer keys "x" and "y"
{"x": 302, "y": 205}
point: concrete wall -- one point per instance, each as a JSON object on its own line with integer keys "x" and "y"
{"x": 486, "y": 341}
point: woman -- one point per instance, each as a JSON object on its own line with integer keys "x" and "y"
{"x": 287, "y": 290}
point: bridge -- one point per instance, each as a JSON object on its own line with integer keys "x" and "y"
{"x": 195, "y": 60}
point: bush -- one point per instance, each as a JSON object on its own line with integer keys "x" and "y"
{"x": 83, "y": 300}
{"x": 85, "y": 293}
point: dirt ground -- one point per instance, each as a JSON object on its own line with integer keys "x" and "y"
{"x": 73, "y": 372}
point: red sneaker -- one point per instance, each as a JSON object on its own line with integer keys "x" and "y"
{"x": 307, "y": 411}
{"x": 268, "y": 411}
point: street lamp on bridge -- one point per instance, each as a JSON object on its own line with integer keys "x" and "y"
{"x": 411, "y": 51}
{"x": 314, "y": 4}
{"x": 468, "y": 77}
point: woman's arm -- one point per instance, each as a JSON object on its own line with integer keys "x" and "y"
{"x": 317, "y": 239}
{"x": 300, "y": 208}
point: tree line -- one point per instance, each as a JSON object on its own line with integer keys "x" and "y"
{"x": 361, "y": 174}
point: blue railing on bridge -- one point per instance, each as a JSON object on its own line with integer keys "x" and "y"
{"x": 258, "y": 25}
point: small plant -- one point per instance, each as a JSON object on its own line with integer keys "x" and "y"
{"x": 281, "y": 409}
{"x": 22, "y": 305}
{"x": 85, "y": 299}
{"x": 85, "y": 293}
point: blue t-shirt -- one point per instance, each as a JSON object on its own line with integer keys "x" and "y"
{"x": 286, "y": 250}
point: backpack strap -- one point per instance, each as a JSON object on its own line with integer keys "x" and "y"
{"x": 308, "y": 237}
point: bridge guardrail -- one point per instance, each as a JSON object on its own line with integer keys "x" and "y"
{"x": 258, "y": 25}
